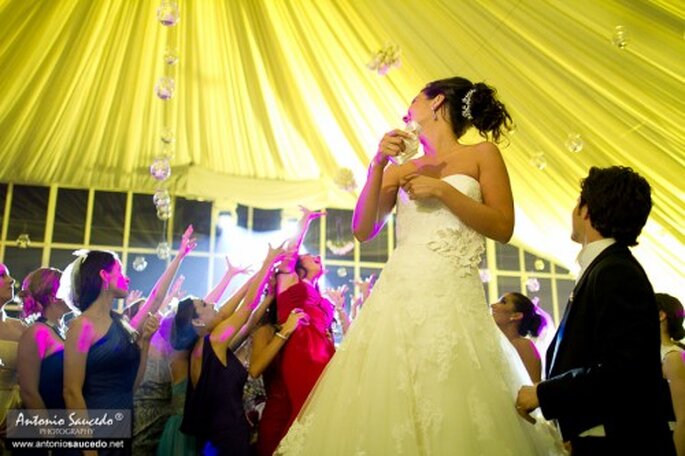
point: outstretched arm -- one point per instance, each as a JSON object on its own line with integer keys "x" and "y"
{"x": 159, "y": 291}
{"x": 225, "y": 331}
{"x": 231, "y": 271}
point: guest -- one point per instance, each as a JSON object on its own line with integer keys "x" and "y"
{"x": 41, "y": 348}
{"x": 172, "y": 440}
{"x": 671, "y": 315}
{"x": 517, "y": 317}
{"x": 307, "y": 352}
{"x": 214, "y": 408}
{"x": 11, "y": 330}
{"x": 606, "y": 350}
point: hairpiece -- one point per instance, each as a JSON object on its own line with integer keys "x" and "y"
{"x": 466, "y": 104}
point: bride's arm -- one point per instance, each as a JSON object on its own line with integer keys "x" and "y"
{"x": 380, "y": 190}
{"x": 494, "y": 217}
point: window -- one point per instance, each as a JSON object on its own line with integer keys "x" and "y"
{"x": 28, "y": 212}
{"x": 109, "y": 212}
{"x": 70, "y": 216}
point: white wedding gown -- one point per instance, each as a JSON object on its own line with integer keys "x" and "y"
{"x": 423, "y": 370}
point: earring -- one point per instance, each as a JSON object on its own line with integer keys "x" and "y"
{"x": 435, "y": 115}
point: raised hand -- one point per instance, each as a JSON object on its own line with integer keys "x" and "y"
{"x": 236, "y": 270}
{"x": 391, "y": 145}
{"x": 366, "y": 285}
{"x": 420, "y": 187}
{"x": 276, "y": 253}
{"x": 188, "y": 242}
{"x": 337, "y": 296}
{"x": 311, "y": 215}
{"x": 133, "y": 296}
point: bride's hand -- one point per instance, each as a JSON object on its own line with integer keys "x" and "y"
{"x": 391, "y": 145}
{"x": 420, "y": 187}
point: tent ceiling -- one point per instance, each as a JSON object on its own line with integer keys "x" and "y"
{"x": 273, "y": 98}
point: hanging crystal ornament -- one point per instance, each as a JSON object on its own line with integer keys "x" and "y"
{"x": 170, "y": 56}
{"x": 620, "y": 37}
{"x": 165, "y": 88}
{"x": 23, "y": 241}
{"x": 164, "y": 212}
{"x": 167, "y": 135}
{"x": 575, "y": 143}
{"x": 538, "y": 160}
{"x": 539, "y": 264}
{"x": 342, "y": 272}
{"x": 161, "y": 197}
{"x": 533, "y": 285}
{"x": 160, "y": 169}
{"x": 168, "y": 14}
{"x": 139, "y": 263}
{"x": 163, "y": 250}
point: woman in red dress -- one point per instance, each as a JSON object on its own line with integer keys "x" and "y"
{"x": 295, "y": 370}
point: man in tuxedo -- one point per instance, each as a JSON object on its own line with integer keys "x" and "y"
{"x": 603, "y": 374}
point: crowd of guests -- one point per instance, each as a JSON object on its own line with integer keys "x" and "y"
{"x": 212, "y": 379}
{"x": 199, "y": 378}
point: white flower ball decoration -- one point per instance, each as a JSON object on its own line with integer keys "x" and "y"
{"x": 139, "y": 263}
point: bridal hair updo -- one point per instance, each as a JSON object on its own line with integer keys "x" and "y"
{"x": 532, "y": 322}
{"x": 468, "y": 104}
{"x": 38, "y": 290}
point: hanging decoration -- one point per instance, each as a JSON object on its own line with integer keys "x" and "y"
{"x": 539, "y": 264}
{"x": 620, "y": 37}
{"x": 574, "y": 143}
{"x": 339, "y": 246}
{"x": 168, "y": 15}
{"x": 23, "y": 241}
{"x": 139, "y": 263}
{"x": 538, "y": 160}
{"x": 533, "y": 285}
{"x": 344, "y": 179}
{"x": 484, "y": 275}
{"x": 385, "y": 59}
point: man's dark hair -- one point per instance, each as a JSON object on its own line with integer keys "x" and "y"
{"x": 618, "y": 201}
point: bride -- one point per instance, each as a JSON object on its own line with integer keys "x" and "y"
{"x": 424, "y": 370}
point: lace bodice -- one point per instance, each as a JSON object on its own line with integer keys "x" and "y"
{"x": 430, "y": 223}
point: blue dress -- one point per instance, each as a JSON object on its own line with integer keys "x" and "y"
{"x": 52, "y": 376}
{"x": 111, "y": 369}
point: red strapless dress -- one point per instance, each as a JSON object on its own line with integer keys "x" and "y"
{"x": 293, "y": 374}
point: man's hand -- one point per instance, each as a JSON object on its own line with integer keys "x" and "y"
{"x": 527, "y": 401}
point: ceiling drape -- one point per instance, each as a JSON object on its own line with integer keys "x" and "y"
{"x": 274, "y": 97}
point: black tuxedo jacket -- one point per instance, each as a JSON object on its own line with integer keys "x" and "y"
{"x": 604, "y": 363}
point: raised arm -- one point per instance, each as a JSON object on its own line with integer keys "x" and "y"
{"x": 294, "y": 243}
{"x": 224, "y": 332}
{"x": 159, "y": 291}
{"x": 231, "y": 271}
{"x": 379, "y": 194}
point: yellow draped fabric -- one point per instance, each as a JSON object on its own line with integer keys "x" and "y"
{"x": 273, "y": 97}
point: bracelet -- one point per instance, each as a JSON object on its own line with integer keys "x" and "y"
{"x": 281, "y": 336}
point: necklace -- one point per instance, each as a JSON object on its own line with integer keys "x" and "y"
{"x": 55, "y": 327}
